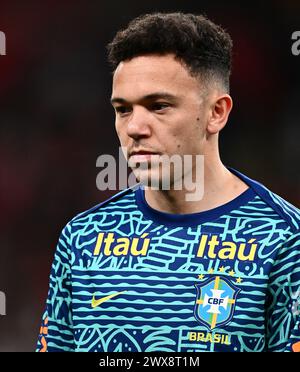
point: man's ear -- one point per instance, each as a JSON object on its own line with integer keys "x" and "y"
{"x": 219, "y": 112}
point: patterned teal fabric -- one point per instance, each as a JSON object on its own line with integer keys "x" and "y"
{"x": 126, "y": 277}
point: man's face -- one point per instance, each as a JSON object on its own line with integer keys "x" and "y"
{"x": 159, "y": 111}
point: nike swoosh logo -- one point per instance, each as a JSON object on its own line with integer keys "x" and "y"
{"x": 100, "y": 301}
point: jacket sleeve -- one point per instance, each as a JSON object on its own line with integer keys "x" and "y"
{"x": 283, "y": 314}
{"x": 56, "y": 332}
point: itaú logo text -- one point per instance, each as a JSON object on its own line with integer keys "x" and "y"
{"x": 109, "y": 244}
{"x": 213, "y": 247}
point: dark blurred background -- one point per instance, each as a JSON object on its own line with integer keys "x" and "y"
{"x": 55, "y": 120}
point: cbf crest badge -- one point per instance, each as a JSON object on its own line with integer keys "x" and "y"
{"x": 215, "y": 302}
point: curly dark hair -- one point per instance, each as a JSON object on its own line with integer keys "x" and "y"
{"x": 204, "y": 47}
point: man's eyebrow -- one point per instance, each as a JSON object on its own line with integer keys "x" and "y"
{"x": 156, "y": 95}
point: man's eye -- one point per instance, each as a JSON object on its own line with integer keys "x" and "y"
{"x": 122, "y": 110}
{"x": 158, "y": 106}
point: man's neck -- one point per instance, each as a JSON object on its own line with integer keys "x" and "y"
{"x": 220, "y": 187}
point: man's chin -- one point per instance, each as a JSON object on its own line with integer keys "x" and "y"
{"x": 154, "y": 183}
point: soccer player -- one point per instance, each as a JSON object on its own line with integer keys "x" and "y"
{"x": 149, "y": 270}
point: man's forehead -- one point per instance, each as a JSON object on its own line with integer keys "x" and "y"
{"x": 163, "y": 67}
{"x": 150, "y": 62}
{"x": 149, "y": 74}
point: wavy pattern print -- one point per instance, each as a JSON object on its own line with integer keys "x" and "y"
{"x": 155, "y": 293}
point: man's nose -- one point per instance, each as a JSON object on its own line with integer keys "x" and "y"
{"x": 138, "y": 125}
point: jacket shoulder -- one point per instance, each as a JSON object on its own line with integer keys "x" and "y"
{"x": 120, "y": 196}
{"x": 287, "y": 211}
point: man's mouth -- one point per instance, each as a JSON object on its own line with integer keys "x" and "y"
{"x": 142, "y": 156}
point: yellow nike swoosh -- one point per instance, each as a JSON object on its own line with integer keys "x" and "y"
{"x": 98, "y": 302}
